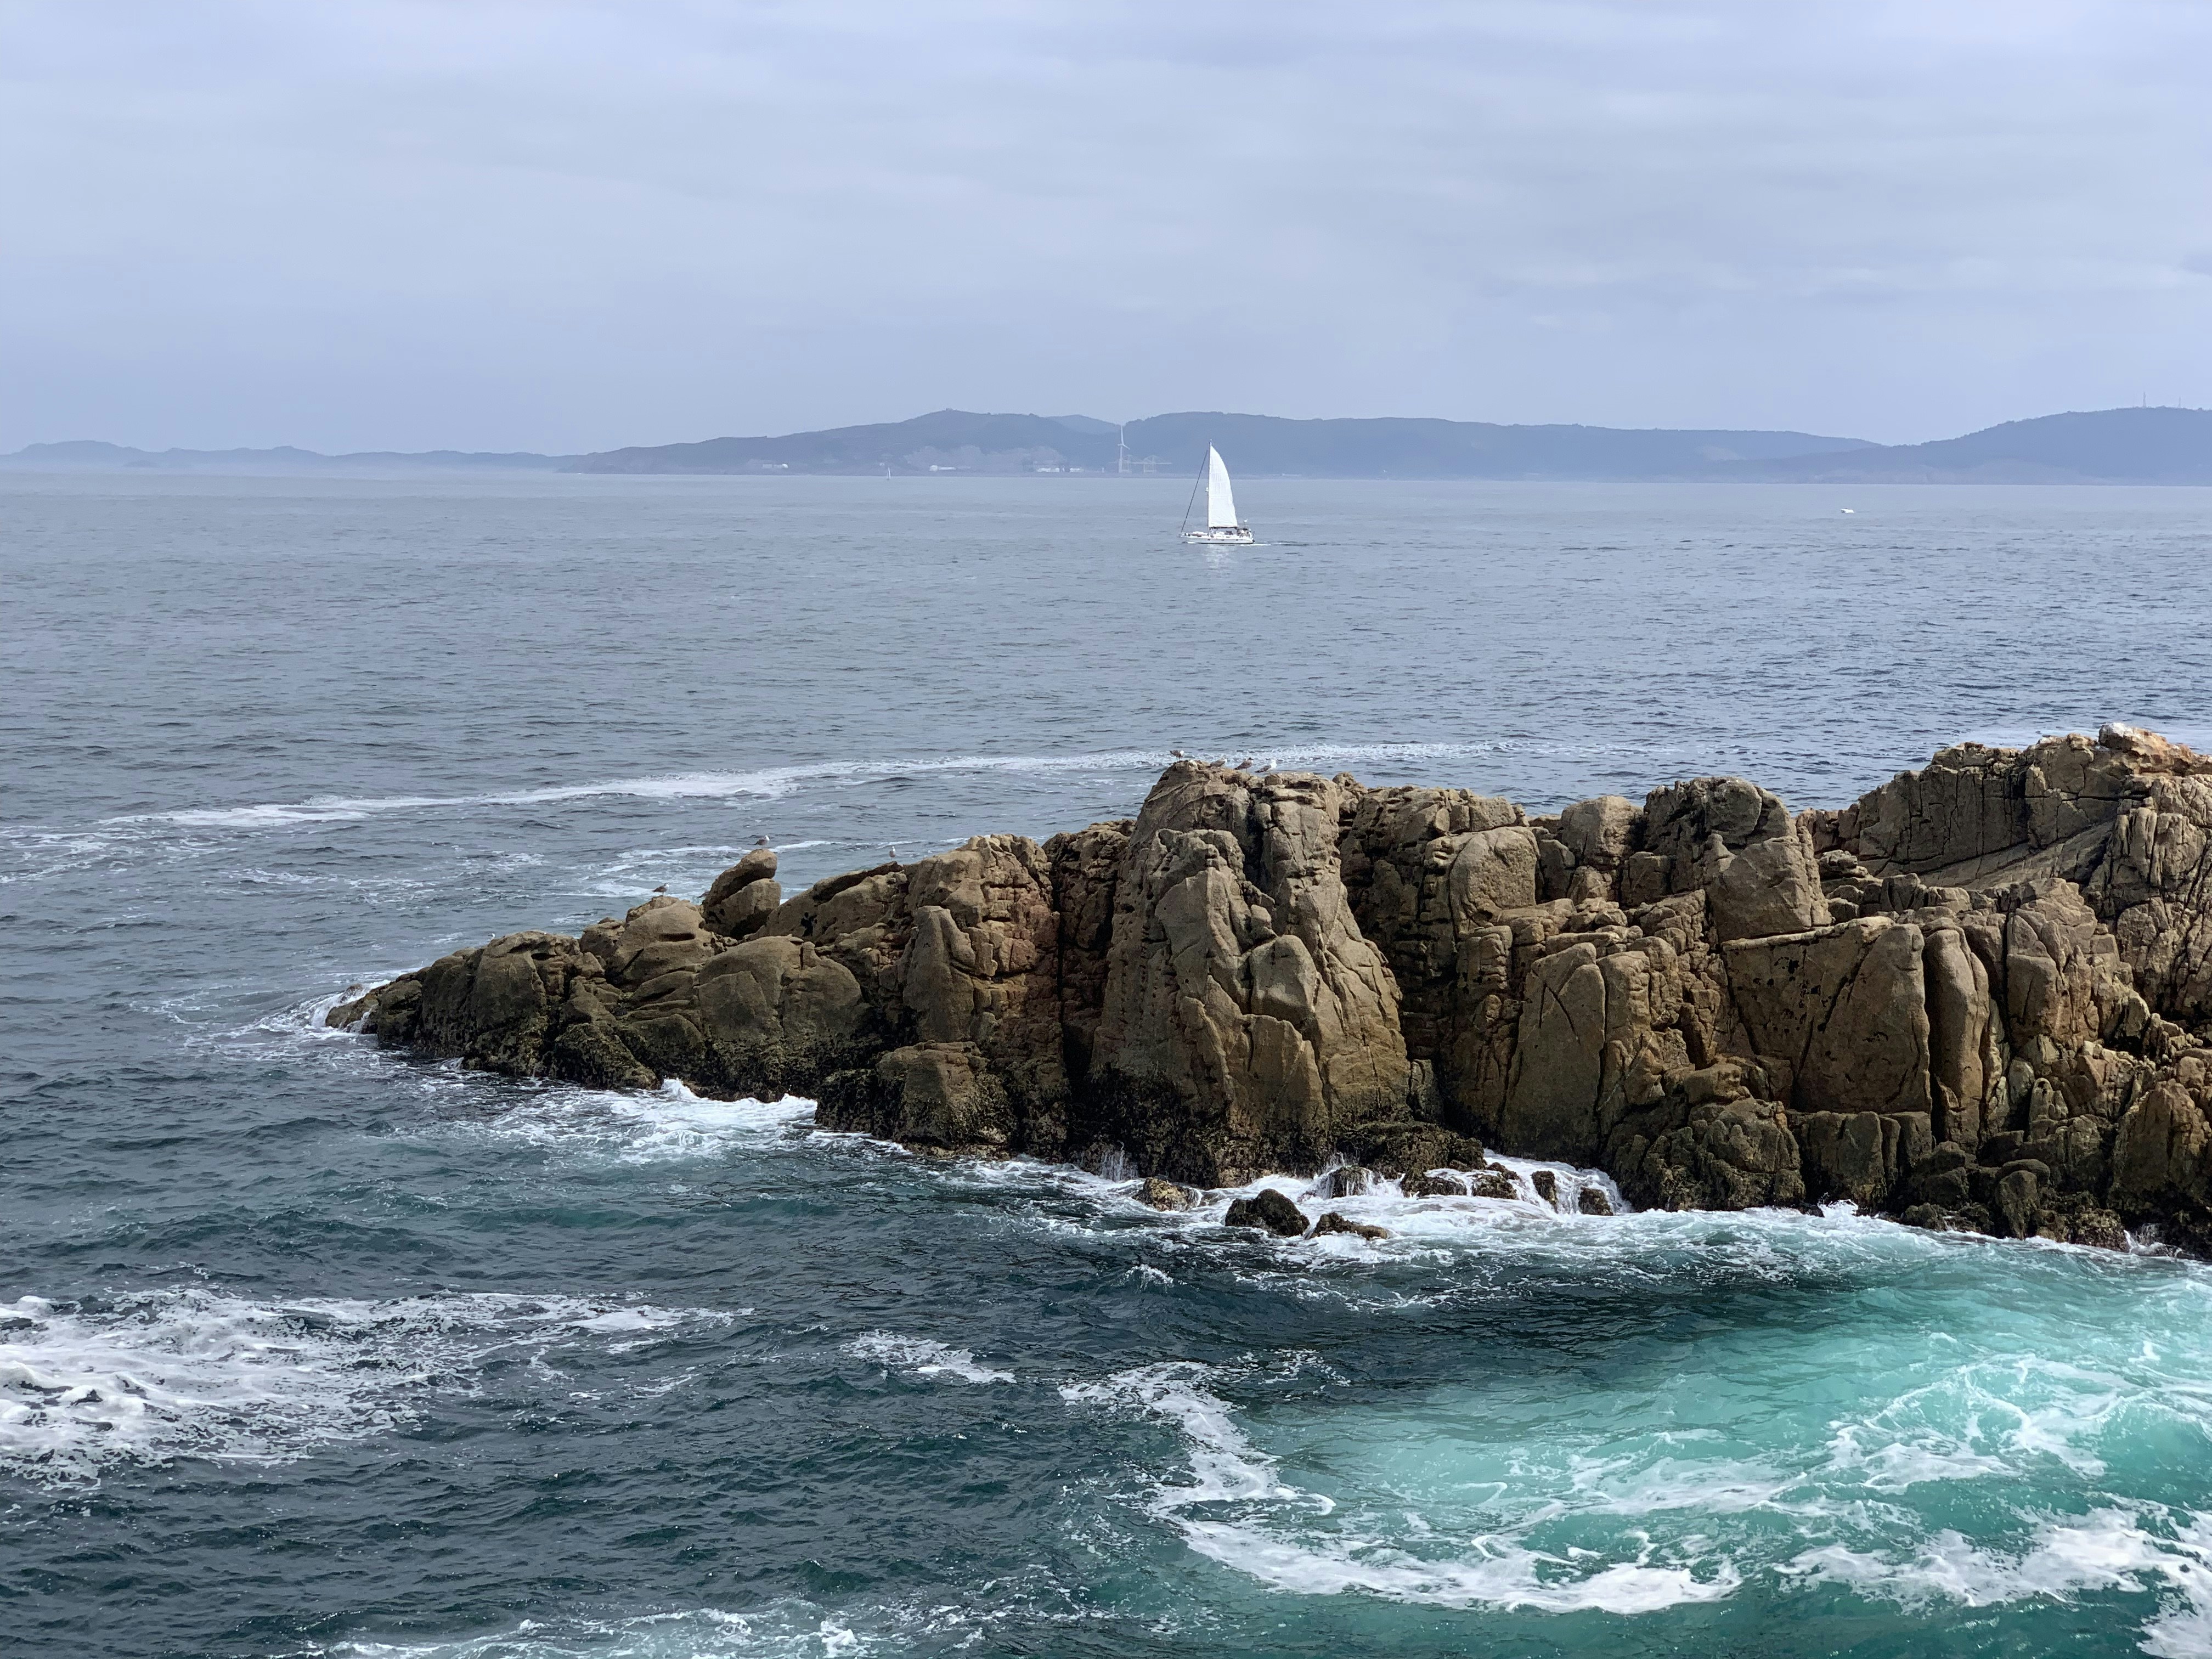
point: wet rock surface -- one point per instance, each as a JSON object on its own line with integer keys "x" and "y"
{"x": 1267, "y": 1211}
{"x": 1980, "y": 996}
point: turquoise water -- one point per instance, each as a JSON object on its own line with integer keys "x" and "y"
{"x": 309, "y": 1349}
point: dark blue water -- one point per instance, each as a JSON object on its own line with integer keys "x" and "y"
{"x": 307, "y": 1349}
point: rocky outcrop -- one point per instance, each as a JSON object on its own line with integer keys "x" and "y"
{"x": 1980, "y": 996}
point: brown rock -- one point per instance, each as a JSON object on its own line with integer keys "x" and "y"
{"x": 1845, "y": 1008}
{"x": 1346, "y": 1180}
{"x": 2017, "y": 1194}
{"x": 1160, "y": 1195}
{"x": 1268, "y": 1211}
{"x": 1494, "y": 1183}
{"x": 743, "y": 895}
{"x": 778, "y": 1015}
{"x": 1439, "y": 1183}
{"x": 1247, "y": 1020}
{"x": 1333, "y": 1223}
{"x": 2007, "y": 1027}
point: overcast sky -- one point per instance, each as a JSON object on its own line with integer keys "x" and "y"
{"x": 370, "y": 224}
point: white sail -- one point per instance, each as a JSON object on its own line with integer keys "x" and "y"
{"x": 1220, "y": 505}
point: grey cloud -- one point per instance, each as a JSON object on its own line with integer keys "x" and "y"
{"x": 568, "y": 226}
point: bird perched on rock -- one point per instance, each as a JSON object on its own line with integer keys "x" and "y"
{"x": 760, "y": 841}
{"x": 1244, "y": 765}
{"x": 662, "y": 888}
{"x": 1177, "y": 753}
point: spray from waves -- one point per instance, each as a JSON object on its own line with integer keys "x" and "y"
{"x": 774, "y": 782}
{"x": 1236, "y": 1508}
{"x": 921, "y": 1358}
{"x": 151, "y": 1377}
{"x": 667, "y": 1124}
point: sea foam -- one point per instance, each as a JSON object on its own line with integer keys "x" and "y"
{"x": 150, "y": 1376}
{"x": 775, "y": 783}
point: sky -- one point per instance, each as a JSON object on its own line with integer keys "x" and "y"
{"x": 549, "y": 225}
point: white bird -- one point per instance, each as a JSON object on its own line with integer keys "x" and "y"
{"x": 760, "y": 841}
{"x": 1177, "y": 753}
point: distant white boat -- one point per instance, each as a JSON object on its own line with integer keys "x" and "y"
{"x": 1221, "y": 524}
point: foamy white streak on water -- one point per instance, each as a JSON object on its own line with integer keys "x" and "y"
{"x": 772, "y": 782}
{"x": 159, "y": 1375}
{"x": 919, "y": 1357}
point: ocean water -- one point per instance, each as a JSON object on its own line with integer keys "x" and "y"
{"x": 305, "y": 1349}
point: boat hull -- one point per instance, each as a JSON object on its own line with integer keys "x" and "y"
{"x": 1239, "y": 536}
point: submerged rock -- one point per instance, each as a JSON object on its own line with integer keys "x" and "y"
{"x": 1982, "y": 992}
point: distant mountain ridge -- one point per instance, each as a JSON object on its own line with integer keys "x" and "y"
{"x": 952, "y": 439}
{"x": 2105, "y": 446}
{"x": 2110, "y": 446}
{"x": 89, "y": 455}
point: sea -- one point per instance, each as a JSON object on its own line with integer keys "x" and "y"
{"x": 309, "y": 1349}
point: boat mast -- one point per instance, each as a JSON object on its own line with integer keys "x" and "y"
{"x": 1189, "y": 505}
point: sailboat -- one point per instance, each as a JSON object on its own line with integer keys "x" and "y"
{"x": 1221, "y": 526}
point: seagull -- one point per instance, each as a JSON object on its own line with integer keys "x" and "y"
{"x": 760, "y": 841}
{"x": 1178, "y": 754}
{"x": 1244, "y": 765}
{"x": 662, "y": 888}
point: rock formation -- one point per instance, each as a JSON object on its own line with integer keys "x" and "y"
{"x": 1980, "y": 997}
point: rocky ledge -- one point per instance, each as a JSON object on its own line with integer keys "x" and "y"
{"x": 1980, "y": 998}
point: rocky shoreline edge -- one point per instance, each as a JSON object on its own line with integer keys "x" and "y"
{"x": 1978, "y": 998}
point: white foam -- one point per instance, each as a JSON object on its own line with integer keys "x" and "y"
{"x": 1499, "y": 1574}
{"x": 774, "y": 782}
{"x": 1500, "y": 1571}
{"x": 919, "y": 1357}
{"x": 1999, "y": 1416}
{"x": 786, "y": 1629}
{"x": 666, "y": 1125}
{"x": 155, "y": 1376}
{"x": 2107, "y": 1549}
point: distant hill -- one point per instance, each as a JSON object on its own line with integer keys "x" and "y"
{"x": 2110, "y": 446}
{"x": 950, "y": 440}
{"x": 2103, "y": 445}
{"x": 956, "y": 440}
{"x": 88, "y": 455}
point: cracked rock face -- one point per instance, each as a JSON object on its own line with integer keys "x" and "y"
{"x": 1979, "y": 997}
